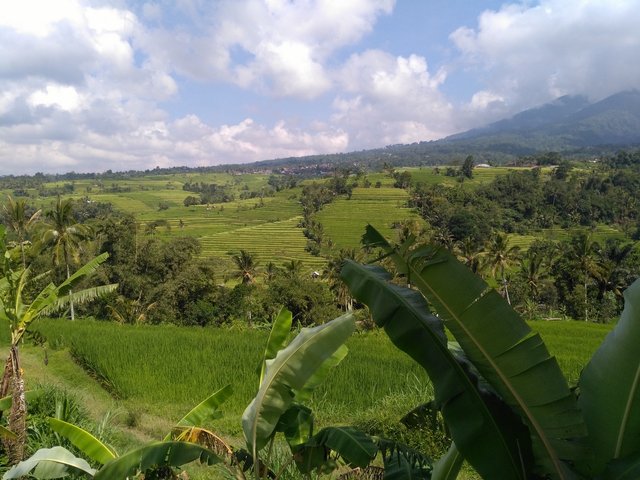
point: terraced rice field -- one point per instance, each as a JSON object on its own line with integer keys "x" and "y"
{"x": 601, "y": 233}
{"x": 277, "y": 242}
{"x": 344, "y": 220}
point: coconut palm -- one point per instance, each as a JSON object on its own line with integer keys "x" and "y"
{"x": 270, "y": 271}
{"x": 582, "y": 252}
{"x": 613, "y": 275}
{"x": 469, "y": 253}
{"x": 499, "y": 256}
{"x": 293, "y": 268}
{"x": 16, "y": 216}
{"x": 533, "y": 270}
{"x": 332, "y": 274}
{"x": 246, "y": 267}
{"x": 64, "y": 236}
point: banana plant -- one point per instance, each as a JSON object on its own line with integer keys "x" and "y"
{"x": 289, "y": 373}
{"x": 19, "y": 315}
{"x": 59, "y": 462}
{"x": 508, "y": 407}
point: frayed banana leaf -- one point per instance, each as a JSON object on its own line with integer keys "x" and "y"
{"x": 610, "y": 389}
{"x": 512, "y": 358}
{"x": 489, "y": 436}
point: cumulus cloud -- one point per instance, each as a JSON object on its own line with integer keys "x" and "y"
{"x": 274, "y": 46}
{"x": 186, "y": 141}
{"x": 391, "y": 100}
{"x": 532, "y": 54}
{"x": 89, "y": 86}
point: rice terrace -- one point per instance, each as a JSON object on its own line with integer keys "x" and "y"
{"x": 202, "y": 262}
{"x": 305, "y": 239}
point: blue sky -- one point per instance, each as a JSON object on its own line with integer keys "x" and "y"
{"x": 95, "y": 85}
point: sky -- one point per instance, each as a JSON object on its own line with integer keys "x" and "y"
{"x": 89, "y": 86}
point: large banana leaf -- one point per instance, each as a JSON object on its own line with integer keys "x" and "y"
{"x": 290, "y": 370}
{"x": 83, "y": 440}
{"x": 174, "y": 454}
{"x": 492, "y": 443}
{"x": 87, "y": 269}
{"x": 513, "y": 359}
{"x": 280, "y": 330}
{"x": 321, "y": 374}
{"x": 56, "y": 462}
{"x": 610, "y": 388}
{"x": 206, "y": 410}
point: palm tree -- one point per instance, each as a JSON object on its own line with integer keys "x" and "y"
{"x": 270, "y": 271}
{"x": 468, "y": 253}
{"x": 246, "y": 267}
{"x": 64, "y": 236}
{"x": 293, "y": 268}
{"x": 16, "y": 215}
{"x": 533, "y": 270}
{"x": 583, "y": 254}
{"x": 613, "y": 274}
{"x": 499, "y": 257}
{"x": 332, "y": 274}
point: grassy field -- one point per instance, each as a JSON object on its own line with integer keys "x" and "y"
{"x": 183, "y": 365}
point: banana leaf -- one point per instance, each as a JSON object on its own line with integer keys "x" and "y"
{"x": 174, "y": 454}
{"x": 82, "y": 440}
{"x": 354, "y": 446}
{"x": 448, "y": 466}
{"x": 513, "y": 359}
{"x": 626, "y": 468}
{"x": 402, "y": 462}
{"x": 280, "y": 330}
{"x": 488, "y": 435}
{"x": 288, "y": 371}
{"x": 320, "y": 375}
{"x": 296, "y": 424}
{"x": 56, "y": 462}
{"x": 610, "y": 388}
{"x": 207, "y": 409}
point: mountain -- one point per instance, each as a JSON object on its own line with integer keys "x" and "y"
{"x": 568, "y": 123}
{"x": 571, "y": 125}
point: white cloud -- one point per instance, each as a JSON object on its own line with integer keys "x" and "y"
{"x": 272, "y": 46}
{"x": 392, "y": 100}
{"x": 64, "y": 97}
{"x": 532, "y": 54}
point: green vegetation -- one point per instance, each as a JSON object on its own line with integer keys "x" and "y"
{"x": 508, "y": 407}
{"x": 229, "y": 249}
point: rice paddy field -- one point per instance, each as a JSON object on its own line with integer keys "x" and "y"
{"x": 344, "y": 219}
{"x": 170, "y": 369}
{"x": 268, "y": 228}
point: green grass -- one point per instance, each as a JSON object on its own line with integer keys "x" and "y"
{"x": 572, "y": 342}
{"x": 170, "y": 369}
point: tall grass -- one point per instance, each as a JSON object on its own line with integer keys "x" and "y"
{"x": 170, "y": 369}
